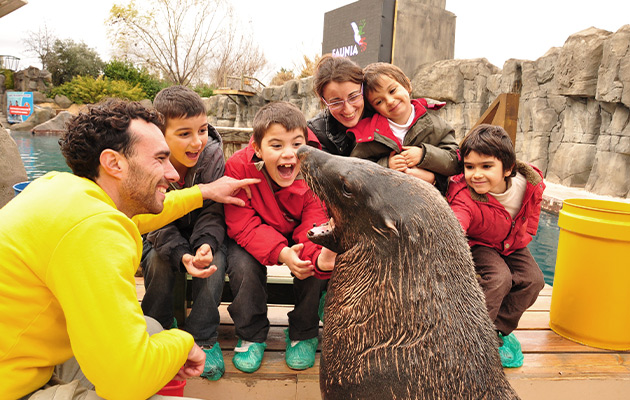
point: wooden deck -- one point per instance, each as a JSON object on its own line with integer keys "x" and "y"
{"x": 555, "y": 368}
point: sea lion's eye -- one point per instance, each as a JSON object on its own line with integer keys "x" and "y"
{"x": 346, "y": 190}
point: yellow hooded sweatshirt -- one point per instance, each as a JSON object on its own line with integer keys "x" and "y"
{"x": 67, "y": 264}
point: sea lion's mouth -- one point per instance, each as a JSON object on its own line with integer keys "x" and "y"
{"x": 324, "y": 235}
{"x": 322, "y": 230}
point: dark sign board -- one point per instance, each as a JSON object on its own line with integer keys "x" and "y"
{"x": 361, "y": 31}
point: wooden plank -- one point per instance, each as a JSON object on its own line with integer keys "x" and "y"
{"x": 554, "y": 366}
{"x": 547, "y": 290}
{"x": 572, "y": 366}
{"x": 542, "y": 304}
{"x": 532, "y": 341}
{"x": 233, "y": 92}
{"x": 547, "y": 341}
{"x": 534, "y": 320}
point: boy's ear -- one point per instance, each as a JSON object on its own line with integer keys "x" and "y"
{"x": 113, "y": 163}
{"x": 508, "y": 172}
{"x": 256, "y": 149}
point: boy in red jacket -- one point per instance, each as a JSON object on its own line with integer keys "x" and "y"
{"x": 271, "y": 229}
{"x": 497, "y": 201}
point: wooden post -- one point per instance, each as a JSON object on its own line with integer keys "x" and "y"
{"x": 503, "y": 112}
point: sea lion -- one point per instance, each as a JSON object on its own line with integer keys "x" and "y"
{"x": 404, "y": 315}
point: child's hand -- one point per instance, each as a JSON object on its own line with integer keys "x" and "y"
{"x": 397, "y": 162}
{"x": 421, "y": 173}
{"x": 412, "y": 155}
{"x": 326, "y": 259}
{"x": 199, "y": 265}
{"x": 299, "y": 268}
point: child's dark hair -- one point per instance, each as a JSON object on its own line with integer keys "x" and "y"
{"x": 335, "y": 69}
{"x": 280, "y": 112}
{"x": 490, "y": 140}
{"x": 373, "y": 73}
{"x": 178, "y": 102}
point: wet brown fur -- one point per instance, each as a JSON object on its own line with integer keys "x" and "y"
{"x": 404, "y": 316}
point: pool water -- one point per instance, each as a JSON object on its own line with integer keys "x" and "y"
{"x": 544, "y": 246}
{"x": 41, "y": 154}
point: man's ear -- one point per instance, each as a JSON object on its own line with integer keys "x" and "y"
{"x": 113, "y": 163}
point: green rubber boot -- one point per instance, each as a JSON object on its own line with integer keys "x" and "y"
{"x": 510, "y": 353}
{"x": 248, "y": 355}
{"x": 301, "y": 355}
{"x": 320, "y": 310}
{"x": 214, "y": 368}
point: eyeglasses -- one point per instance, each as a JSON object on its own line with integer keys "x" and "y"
{"x": 354, "y": 98}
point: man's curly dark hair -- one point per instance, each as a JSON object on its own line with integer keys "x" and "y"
{"x": 103, "y": 126}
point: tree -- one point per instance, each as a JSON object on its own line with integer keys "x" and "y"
{"x": 236, "y": 55}
{"x": 41, "y": 44}
{"x": 69, "y": 59}
{"x": 283, "y": 76}
{"x": 308, "y": 66}
{"x": 177, "y": 38}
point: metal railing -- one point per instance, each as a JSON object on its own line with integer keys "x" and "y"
{"x": 9, "y": 62}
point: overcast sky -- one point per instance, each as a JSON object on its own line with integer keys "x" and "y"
{"x": 288, "y": 29}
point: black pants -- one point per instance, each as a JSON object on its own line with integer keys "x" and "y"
{"x": 159, "y": 282}
{"x": 248, "y": 281}
{"x": 510, "y": 284}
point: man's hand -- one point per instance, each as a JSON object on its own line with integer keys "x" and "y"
{"x": 197, "y": 266}
{"x": 326, "y": 260}
{"x": 291, "y": 257}
{"x": 397, "y": 162}
{"x": 412, "y": 155}
{"x": 194, "y": 364}
{"x": 225, "y": 188}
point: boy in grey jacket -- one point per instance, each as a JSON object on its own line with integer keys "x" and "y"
{"x": 193, "y": 244}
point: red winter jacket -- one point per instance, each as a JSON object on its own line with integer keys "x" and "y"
{"x": 270, "y": 221}
{"x": 487, "y": 223}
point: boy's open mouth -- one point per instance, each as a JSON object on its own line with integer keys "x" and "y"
{"x": 286, "y": 170}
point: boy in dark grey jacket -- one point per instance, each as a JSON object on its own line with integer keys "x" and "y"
{"x": 193, "y": 244}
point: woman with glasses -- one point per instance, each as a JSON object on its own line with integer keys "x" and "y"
{"x": 338, "y": 82}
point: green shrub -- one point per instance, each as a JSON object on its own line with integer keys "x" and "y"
{"x": 8, "y": 74}
{"x": 125, "y": 71}
{"x": 87, "y": 90}
{"x": 204, "y": 90}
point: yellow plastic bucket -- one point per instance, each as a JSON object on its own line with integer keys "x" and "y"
{"x": 590, "y": 302}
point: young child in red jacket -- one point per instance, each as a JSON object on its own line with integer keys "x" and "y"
{"x": 405, "y": 134}
{"x": 271, "y": 229}
{"x": 497, "y": 201}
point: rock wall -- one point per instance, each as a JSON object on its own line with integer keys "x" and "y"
{"x": 11, "y": 167}
{"x": 574, "y": 109}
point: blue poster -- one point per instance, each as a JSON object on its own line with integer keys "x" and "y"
{"x": 19, "y": 106}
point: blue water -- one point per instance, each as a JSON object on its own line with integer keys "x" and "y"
{"x": 41, "y": 154}
{"x": 544, "y": 246}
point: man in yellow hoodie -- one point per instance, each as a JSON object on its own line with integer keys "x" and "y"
{"x": 69, "y": 247}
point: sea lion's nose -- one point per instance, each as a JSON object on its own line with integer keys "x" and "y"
{"x": 303, "y": 151}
